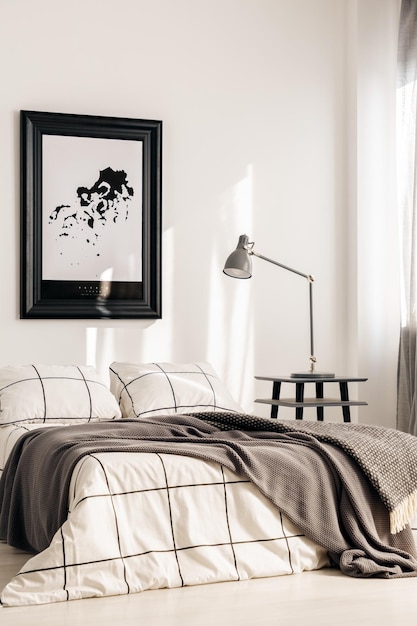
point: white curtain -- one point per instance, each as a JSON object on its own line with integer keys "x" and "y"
{"x": 407, "y": 190}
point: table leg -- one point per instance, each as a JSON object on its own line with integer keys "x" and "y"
{"x": 276, "y": 390}
{"x": 344, "y": 396}
{"x": 319, "y": 394}
{"x": 299, "y": 397}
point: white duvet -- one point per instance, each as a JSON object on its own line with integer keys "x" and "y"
{"x": 139, "y": 521}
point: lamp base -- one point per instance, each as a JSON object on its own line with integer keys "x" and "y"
{"x": 311, "y": 374}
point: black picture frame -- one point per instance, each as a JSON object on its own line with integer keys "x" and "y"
{"x": 60, "y": 273}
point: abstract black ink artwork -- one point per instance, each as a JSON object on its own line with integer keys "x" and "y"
{"x": 106, "y": 202}
{"x": 91, "y": 216}
{"x": 84, "y": 230}
{"x": 92, "y": 201}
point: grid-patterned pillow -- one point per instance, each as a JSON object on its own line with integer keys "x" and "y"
{"x": 144, "y": 390}
{"x": 54, "y": 393}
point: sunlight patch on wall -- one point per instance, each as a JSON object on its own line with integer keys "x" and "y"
{"x": 99, "y": 346}
{"x": 230, "y": 332}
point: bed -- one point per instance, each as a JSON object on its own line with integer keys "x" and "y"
{"x": 161, "y": 481}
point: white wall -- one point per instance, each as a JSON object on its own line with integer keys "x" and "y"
{"x": 377, "y": 280}
{"x": 258, "y": 102}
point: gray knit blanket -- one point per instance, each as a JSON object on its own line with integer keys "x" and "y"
{"x": 350, "y": 488}
{"x": 388, "y": 457}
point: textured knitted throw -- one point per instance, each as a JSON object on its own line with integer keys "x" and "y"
{"x": 340, "y": 484}
{"x": 388, "y": 457}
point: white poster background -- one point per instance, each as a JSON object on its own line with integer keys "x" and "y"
{"x": 72, "y": 250}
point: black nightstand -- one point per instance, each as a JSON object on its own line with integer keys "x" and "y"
{"x": 320, "y": 402}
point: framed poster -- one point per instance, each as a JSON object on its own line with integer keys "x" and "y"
{"x": 90, "y": 216}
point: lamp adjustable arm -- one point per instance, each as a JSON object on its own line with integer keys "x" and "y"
{"x": 285, "y": 267}
{"x": 239, "y": 265}
{"x": 310, "y": 279}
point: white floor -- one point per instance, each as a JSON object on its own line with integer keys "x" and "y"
{"x": 313, "y": 599}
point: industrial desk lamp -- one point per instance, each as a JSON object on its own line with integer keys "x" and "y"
{"x": 239, "y": 265}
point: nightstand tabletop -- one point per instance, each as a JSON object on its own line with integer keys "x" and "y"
{"x": 312, "y": 379}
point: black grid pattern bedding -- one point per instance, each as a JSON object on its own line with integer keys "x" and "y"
{"x": 51, "y": 393}
{"x": 142, "y": 521}
{"x": 146, "y": 390}
{"x": 178, "y": 521}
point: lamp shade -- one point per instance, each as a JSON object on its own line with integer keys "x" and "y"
{"x": 238, "y": 263}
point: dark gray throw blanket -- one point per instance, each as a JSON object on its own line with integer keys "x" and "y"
{"x": 339, "y": 483}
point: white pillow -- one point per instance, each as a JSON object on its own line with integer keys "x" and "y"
{"x": 144, "y": 390}
{"x": 54, "y": 393}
